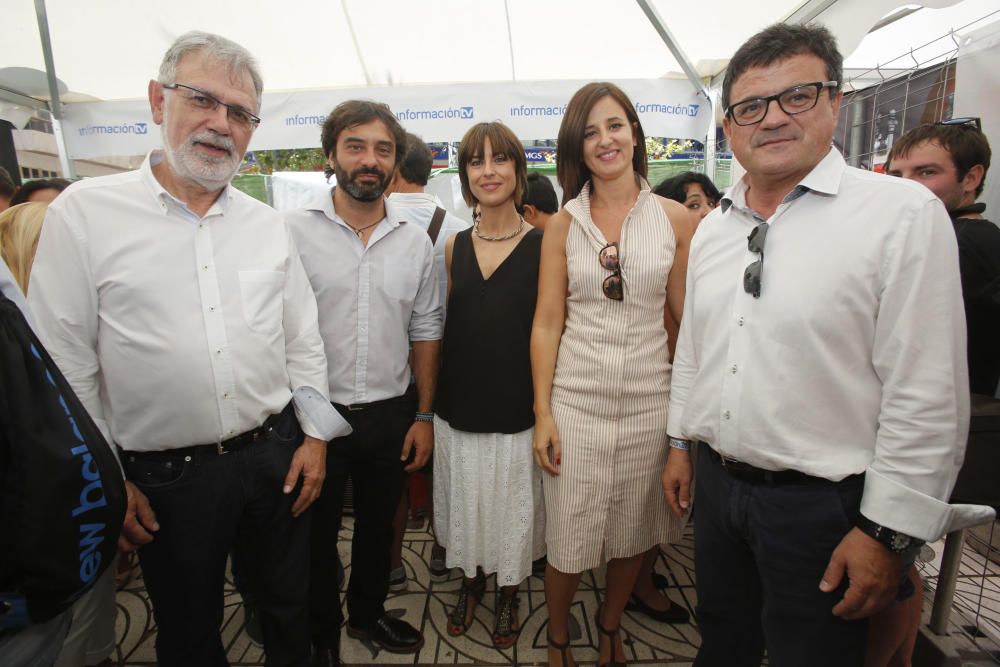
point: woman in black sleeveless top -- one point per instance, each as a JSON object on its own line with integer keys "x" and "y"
{"x": 488, "y": 508}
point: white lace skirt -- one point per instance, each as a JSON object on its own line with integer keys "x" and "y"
{"x": 488, "y": 506}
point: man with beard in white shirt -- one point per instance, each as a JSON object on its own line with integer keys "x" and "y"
{"x": 180, "y": 313}
{"x": 377, "y": 289}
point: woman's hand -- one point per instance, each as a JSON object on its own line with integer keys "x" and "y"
{"x": 546, "y": 445}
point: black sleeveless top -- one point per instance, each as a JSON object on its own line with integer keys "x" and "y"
{"x": 485, "y": 380}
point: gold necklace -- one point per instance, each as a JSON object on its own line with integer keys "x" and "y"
{"x": 506, "y": 237}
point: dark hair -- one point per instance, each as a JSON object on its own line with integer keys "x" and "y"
{"x": 502, "y": 140}
{"x": 360, "y": 112}
{"x": 675, "y": 187}
{"x": 571, "y": 169}
{"x": 540, "y": 193}
{"x": 966, "y": 144}
{"x": 415, "y": 165}
{"x": 780, "y": 42}
{"x": 31, "y": 187}
{"x": 7, "y": 185}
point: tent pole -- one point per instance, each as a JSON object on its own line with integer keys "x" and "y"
{"x": 668, "y": 38}
{"x": 55, "y": 105}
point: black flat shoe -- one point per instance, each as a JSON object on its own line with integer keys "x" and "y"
{"x": 672, "y": 614}
{"x": 391, "y": 634}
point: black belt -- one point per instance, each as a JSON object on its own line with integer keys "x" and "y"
{"x": 753, "y": 475}
{"x": 357, "y": 407}
{"x": 227, "y": 446}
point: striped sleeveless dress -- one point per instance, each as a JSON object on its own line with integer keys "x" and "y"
{"x": 610, "y": 394}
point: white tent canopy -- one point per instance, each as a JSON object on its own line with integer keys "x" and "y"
{"x": 109, "y": 49}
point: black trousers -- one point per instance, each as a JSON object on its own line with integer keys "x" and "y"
{"x": 208, "y": 506}
{"x": 370, "y": 455}
{"x": 760, "y": 553}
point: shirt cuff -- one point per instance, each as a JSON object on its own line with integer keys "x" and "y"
{"x": 317, "y": 417}
{"x": 905, "y": 510}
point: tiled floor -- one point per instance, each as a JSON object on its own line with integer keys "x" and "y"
{"x": 424, "y": 604}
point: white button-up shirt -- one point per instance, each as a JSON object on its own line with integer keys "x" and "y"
{"x": 373, "y": 300}
{"x": 853, "y": 358}
{"x": 418, "y": 208}
{"x": 175, "y": 329}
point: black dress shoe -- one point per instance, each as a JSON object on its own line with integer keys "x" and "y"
{"x": 672, "y": 614}
{"x": 392, "y": 634}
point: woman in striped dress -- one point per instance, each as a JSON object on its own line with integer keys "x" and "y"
{"x": 612, "y": 269}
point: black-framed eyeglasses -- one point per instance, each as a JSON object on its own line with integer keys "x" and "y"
{"x": 967, "y": 121}
{"x": 794, "y": 100}
{"x": 753, "y": 273}
{"x": 203, "y": 101}
{"x": 612, "y": 285}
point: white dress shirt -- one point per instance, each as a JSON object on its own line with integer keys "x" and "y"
{"x": 853, "y": 358}
{"x": 175, "y": 329}
{"x": 373, "y": 300}
{"x": 418, "y": 208}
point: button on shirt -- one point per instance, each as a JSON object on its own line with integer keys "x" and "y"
{"x": 418, "y": 208}
{"x": 174, "y": 329}
{"x": 853, "y": 358}
{"x": 373, "y": 300}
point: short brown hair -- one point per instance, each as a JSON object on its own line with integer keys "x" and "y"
{"x": 966, "y": 144}
{"x": 571, "y": 169}
{"x": 360, "y": 112}
{"x": 502, "y": 140}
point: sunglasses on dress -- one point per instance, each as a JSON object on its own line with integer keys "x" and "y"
{"x": 612, "y": 285}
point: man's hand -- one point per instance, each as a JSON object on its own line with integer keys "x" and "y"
{"x": 677, "y": 476}
{"x": 420, "y": 439}
{"x": 872, "y": 571}
{"x": 309, "y": 461}
{"x": 140, "y": 520}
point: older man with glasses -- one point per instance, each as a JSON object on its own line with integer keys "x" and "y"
{"x": 180, "y": 312}
{"x": 827, "y": 387}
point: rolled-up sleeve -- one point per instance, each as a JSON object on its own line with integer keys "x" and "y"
{"x": 919, "y": 354}
{"x": 304, "y": 356}
{"x": 427, "y": 323}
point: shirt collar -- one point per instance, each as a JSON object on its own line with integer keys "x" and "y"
{"x": 323, "y": 203}
{"x": 164, "y": 198}
{"x": 413, "y": 199}
{"x": 824, "y": 178}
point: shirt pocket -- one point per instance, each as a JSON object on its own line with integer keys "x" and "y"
{"x": 401, "y": 277}
{"x": 263, "y": 305}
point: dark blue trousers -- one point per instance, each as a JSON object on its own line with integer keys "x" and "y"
{"x": 208, "y": 506}
{"x": 760, "y": 553}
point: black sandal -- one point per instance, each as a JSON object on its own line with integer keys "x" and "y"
{"x": 612, "y": 636}
{"x": 562, "y": 647}
{"x": 507, "y": 625}
{"x": 457, "y": 623}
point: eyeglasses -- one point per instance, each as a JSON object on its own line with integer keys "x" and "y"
{"x": 964, "y": 122}
{"x": 795, "y": 100}
{"x": 612, "y": 285}
{"x": 199, "y": 99}
{"x": 753, "y": 273}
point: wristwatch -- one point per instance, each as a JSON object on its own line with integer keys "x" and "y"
{"x": 894, "y": 541}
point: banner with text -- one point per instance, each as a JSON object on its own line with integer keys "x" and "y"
{"x": 533, "y": 110}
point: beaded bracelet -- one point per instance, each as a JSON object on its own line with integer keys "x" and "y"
{"x": 424, "y": 417}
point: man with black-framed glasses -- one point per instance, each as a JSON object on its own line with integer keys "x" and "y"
{"x": 826, "y": 386}
{"x": 181, "y": 314}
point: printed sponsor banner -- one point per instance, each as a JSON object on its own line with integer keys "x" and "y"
{"x": 533, "y": 110}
